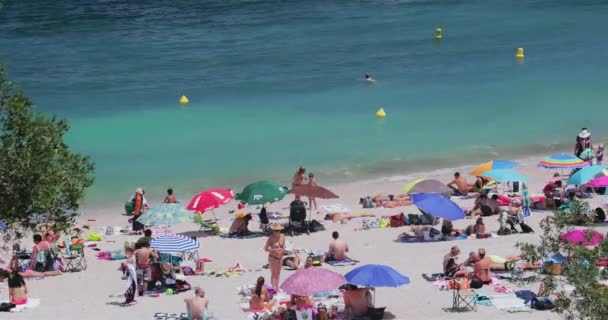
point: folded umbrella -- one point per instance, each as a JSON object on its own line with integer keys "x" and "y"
{"x": 319, "y": 192}
{"x": 438, "y": 206}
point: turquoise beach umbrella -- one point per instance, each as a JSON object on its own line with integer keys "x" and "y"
{"x": 166, "y": 214}
{"x": 585, "y": 175}
{"x": 504, "y": 175}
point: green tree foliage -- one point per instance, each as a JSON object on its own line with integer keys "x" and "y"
{"x": 41, "y": 180}
{"x": 581, "y": 294}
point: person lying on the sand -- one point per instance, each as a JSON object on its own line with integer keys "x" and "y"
{"x": 478, "y": 229}
{"x": 380, "y": 199}
{"x": 485, "y": 206}
{"x": 335, "y": 217}
{"x": 450, "y": 266}
{"x": 260, "y": 298}
{"x": 239, "y": 226}
{"x": 29, "y": 273}
{"x": 292, "y": 262}
{"x": 545, "y": 299}
{"x": 357, "y": 300}
{"x": 447, "y": 229}
{"x": 337, "y": 249}
{"x": 417, "y": 232}
{"x": 498, "y": 263}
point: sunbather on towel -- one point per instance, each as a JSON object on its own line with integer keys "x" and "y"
{"x": 337, "y": 249}
{"x": 502, "y": 264}
{"x": 31, "y": 273}
{"x": 335, "y": 217}
{"x": 460, "y": 186}
{"x": 545, "y": 300}
{"x": 292, "y": 261}
{"x": 417, "y": 232}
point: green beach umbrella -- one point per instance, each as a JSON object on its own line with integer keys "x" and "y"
{"x": 166, "y": 214}
{"x": 262, "y": 192}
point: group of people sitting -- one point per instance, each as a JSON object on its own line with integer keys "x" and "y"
{"x": 482, "y": 264}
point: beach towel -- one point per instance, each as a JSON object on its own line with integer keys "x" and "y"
{"x": 247, "y": 236}
{"x": 482, "y": 299}
{"x": 335, "y": 208}
{"x": 342, "y": 263}
{"x": 416, "y": 240}
{"x": 170, "y": 316}
{"x": 31, "y": 303}
{"x": 509, "y": 303}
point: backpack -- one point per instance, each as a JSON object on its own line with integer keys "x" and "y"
{"x": 525, "y": 228}
{"x": 397, "y": 220}
{"x": 315, "y": 226}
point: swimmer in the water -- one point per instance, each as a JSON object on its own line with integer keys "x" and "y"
{"x": 369, "y": 78}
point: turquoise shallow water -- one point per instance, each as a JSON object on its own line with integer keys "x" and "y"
{"x": 274, "y": 84}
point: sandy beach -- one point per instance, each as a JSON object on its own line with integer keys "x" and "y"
{"x": 87, "y": 294}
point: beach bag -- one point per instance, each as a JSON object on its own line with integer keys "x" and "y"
{"x": 414, "y": 219}
{"x": 397, "y": 220}
{"x": 315, "y": 226}
{"x": 129, "y": 207}
{"x": 525, "y": 228}
{"x": 367, "y": 202}
{"x": 384, "y": 223}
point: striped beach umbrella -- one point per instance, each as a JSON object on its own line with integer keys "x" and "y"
{"x": 562, "y": 161}
{"x": 174, "y": 243}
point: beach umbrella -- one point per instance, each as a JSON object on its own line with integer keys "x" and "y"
{"x": 493, "y": 165}
{"x": 583, "y": 236}
{"x": 261, "y": 192}
{"x": 319, "y": 192}
{"x": 210, "y": 199}
{"x": 426, "y": 186}
{"x": 599, "y": 182}
{"x": 376, "y": 275}
{"x": 562, "y": 161}
{"x": 312, "y": 281}
{"x": 166, "y": 214}
{"x": 174, "y": 243}
{"x": 504, "y": 175}
{"x": 587, "y": 174}
{"x": 438, "y": 206}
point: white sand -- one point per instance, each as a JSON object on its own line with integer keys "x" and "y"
{"x": 85, "y": 295}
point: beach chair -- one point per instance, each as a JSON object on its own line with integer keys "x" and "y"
{"x": 73, "y": 257}
{"x": 464, "y": 299}
{"x": 208, "y": 226}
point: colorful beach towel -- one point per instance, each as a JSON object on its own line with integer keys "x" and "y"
{"x": 170, "y": 316}
{"x": 510, "y": 303}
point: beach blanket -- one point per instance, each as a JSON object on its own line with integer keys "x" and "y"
{"x": 335, "y": 208}
{"x": 433, "y": 277}
{"x": 417, "y": 240}
{"x": 31, "y": 303}
{"x": 509, "y": 303}
{"x": 170, "y": 316}
{"x": 342, "y": 263}
{"x": 248, "y": 236}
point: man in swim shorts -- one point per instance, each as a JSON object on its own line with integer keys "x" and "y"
{"x": 143, "y": 269}
{"x": 462, "y": 186}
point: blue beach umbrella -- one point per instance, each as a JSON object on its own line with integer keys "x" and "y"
{"x": 438, "y": 206}
{"x": 504, "y": 175}
{"x": 174, "y": 243}
{"x": 585, "y": 175}
{"x": 376, "y": 275}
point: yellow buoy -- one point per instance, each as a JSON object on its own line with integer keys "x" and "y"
{"x": 438, "y": 33}
{"x": 380, "y": 113}
{"x": 520, "y": 53}
{"x": 184, "y": 100}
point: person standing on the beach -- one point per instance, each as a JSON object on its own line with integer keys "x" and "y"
{"x": 583, "y": 142}
{"x": 170, "y": 198}
{"x": 144, "y": 271}
{"x": 197, "y": 305}
{"x": 131, "y": 276}
{"x": 140, "y": 205}
{"x": 599, "y": 155}
{"x": 298, "y": 179}
{"x": 275, "y": 246}
{"x": 312, "y": 182}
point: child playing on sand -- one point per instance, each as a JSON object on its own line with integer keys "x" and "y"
{"x": 599, "y": 155}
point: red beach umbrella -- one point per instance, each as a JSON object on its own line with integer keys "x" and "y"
{"x": 210, "y": 199}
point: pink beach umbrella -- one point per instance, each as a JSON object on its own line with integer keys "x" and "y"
{"x": 312, "y": 281}
{"x": 582, "y": 236}
{"x": 599, "y": 182}
{"x": 210, "y": 199}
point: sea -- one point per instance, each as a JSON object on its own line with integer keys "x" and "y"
{"x": 277, "y": 84}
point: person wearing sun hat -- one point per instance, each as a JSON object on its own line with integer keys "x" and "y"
{"x": 275, "y": 246}
{"x": 583, "y": 142}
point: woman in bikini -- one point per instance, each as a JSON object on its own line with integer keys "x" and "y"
{"x": 17, "y": 290}
{"x": 312, "y": 182}
{"x": 298, "y": 179}
{"x": 275, "y": 246}
{"x": 260, "y": 299}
